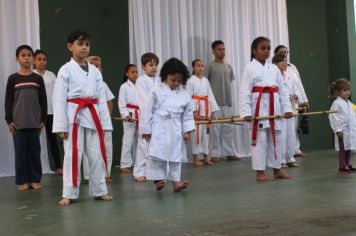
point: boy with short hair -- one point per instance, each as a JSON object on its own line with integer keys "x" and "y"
{"x": 144, "y": 85}
{"x": 25, "y": 113}
{"x": 80, "y": 116}
{"x": 97, "y": 62}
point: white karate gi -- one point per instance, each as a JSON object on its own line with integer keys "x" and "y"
{"x": 256, "y": 74}
{"x": 144, "y": 84}
{"x": 128, "y": 95}
{"x": 167, "y": 115}
{"x": 108, "y": 143}
{"x": 289, "y": 129}
{"x": 292, "y": 70}
{"x": 73, "y": 82}
{"x": 201, "y": 87}
{"x": 345, "y": 121}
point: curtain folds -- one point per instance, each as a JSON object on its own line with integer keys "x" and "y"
{"x": 19, "y": 24}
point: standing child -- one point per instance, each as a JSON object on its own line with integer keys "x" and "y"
{"x": 97, "y": 62}
{"x": 263, "y": 93}
{"x": 25, "y": 113}
{"x": 293, "y": 71}
{"x": 144, "y": 85}
{"x": 343, "y": 124}
{"x": 204, "y": 107}
{"x": 167, "y": 122}
{"x": 289, "y": 131}
{"x": 128, "y": 106}
{"x": 49, "y": 80}
{"x": 80, "y": 114}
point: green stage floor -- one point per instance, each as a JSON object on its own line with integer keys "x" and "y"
{"x": 223, "y": 199}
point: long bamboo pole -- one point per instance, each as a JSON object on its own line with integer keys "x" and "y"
{"x": 239, "y": 120}
{"x": 236, "y": 120}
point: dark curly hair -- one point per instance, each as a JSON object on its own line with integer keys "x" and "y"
{"x": 174, "y": 66}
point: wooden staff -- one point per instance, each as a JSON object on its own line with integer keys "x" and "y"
{"x": 238, "y": 121}
{"x": 122, "y": 119}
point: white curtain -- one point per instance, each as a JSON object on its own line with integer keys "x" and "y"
{"x": 19, "y": 24}
{"x": 186, "y": 28}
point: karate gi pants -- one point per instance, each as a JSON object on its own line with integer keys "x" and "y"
{"x": 88, "y": 144}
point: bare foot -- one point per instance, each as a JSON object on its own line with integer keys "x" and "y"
{"x": 301, "y": 154}
{"x": 293, "y": 164}
{"x": 125, "y": 170}
{"x": 141, "y": 179}
{"x": 198, "y": 163}
{"x": 284, "y": 166}
{"x": 215, "y": 159}
{"x": 36, "y": 186}
{"x": 208, "y": 162}
{"x": 263, "y": 177}
{"x": 104, "y": 198}
{"x": 160, "y": 185}
{"x": 278, "y": 174}
{"x": 179, "y": 186}
{"x": 64, "y": 202}
{"x": 59, "y": 171}
{"x": 108, "y": 180}
{"x": 233, "y": 158}
{"x": 23, "y": 187}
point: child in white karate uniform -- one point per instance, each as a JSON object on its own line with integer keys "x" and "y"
{"x": 263, "y": 93}
{"x": 144, "y": 85}
{"x": 97, "y": 62}
{"x": 129, "y": 109}
{"x": 289, "y": 130}
{"x": 167, "y": 122}
{"x": 204, "y": 107}
{"x": 80, "y": 114}
{"x": 343, "y": 124}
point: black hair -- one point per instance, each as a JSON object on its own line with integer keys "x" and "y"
{"x": 174, "y": 66}
{"x": 278, "y": 58}
{"x": 39, "y": 51}
{"x": 338, "y": 85}
{"x": 255, "y": 44}
{"x": 148, "y": 57}
{"x": 78, "y": 35}
{"x": 193, "y": 64}
{"x": 278, "y": 47}
{"x": 216, "y": 43}
{"x": 19, "y": 48}
{"x": 127, "y": 68}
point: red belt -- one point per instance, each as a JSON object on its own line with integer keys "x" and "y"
{"x": 205, "y": 99}
{"x": 136, "y": 108}
{"x": 271, "y": 91}
{"x": 82, "y": 103}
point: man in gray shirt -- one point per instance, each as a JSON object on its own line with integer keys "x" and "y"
{"x": 220, "y": 76}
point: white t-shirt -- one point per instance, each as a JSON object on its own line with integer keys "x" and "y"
{"x": 49, "y": 79}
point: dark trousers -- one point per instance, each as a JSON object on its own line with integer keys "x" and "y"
{"x": 28, "y": 167}
{"x": 52, "y": 142}
{"x": 344, "y": 155}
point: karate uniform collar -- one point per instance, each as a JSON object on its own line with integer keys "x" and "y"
{"x": 130, "y": 83}
{"x": 74, "y": 62}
